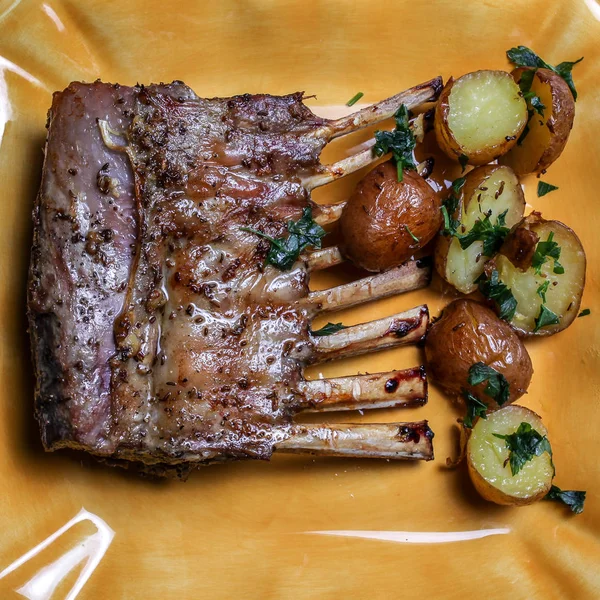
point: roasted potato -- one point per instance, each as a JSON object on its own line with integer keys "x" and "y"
{"x": 488, "y": 459}
{"x": 548, "y": 133}
{"x": 386, "y": 221}
{"x": 560, "y": 284}
{"x": 468, "y": 333}
{"x": 480, "y": 116}
{"x": 491, "y": 190}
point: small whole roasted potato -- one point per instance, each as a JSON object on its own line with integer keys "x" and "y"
{"x": 386, "y": 221}
{"x": 480, "y": 116}
{"x": 543, "y": 265}
{"x": 489, "y": 193}
{"x": 548, "y": 132}
{"x": 505, "y": 476}
{"x": 468, "y": 333}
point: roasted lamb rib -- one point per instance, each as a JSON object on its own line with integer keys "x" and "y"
{"x": 160, "y": 336}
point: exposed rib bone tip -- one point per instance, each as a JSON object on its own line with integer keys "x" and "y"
{"x": 371, "y": 115}
{"x": 398, "y": 441}
{"x": 323, "y": 259}
{"x": 326, "y": 214}
{"x": 357, "y": 392}
{"x": 412, "y": 275}
{"x": 404, "y": 328}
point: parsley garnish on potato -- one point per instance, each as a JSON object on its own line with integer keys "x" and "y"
{"x": 493, "y": 289}
{"x": 523, "y": 445}
{"x": 284, "y": 252}
{"x": 492, "y": 236}
{"x": 497, "y": 386}
{"x": 400, "y": 142}
{"x": 544, "y": 250}
{"x": 521, "y": 56}
{"x": 546, "y": 317}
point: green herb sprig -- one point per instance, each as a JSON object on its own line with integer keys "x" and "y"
{"x": 475, "y": 408}
{"x": 284, "y": 252}
{"x": 521, "y": 56}
{"x": 573, "y": 499}
{"x": 328, "y": 329}
{"x": 544, "y": 250}
{"x": 400, "y": 142}
{"x": 497, "y": 386}
{"x": 523, "y": 445}
{"x": 492, "y": 236}
{"x": 546, "y": 317}
{"x": 493, "y": 289}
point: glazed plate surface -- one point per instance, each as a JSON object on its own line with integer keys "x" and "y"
{"x": 256, "y": 530}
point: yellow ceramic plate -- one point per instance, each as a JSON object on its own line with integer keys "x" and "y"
{"x": 247, "y": 530}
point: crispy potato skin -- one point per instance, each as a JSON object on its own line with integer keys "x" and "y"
{"x": 375, "y": 220}
{"x": 448, "y": 143}
{"x": 473, "y": 180}
{"x": 559, "y": 124}
{"x": 493, "y": 494}
{"x": 467, "y": 333}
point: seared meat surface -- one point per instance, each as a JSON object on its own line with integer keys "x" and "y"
{"x": 159, "y": 334}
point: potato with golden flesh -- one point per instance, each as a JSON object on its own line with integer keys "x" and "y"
{"x": 547, "y": 133}
{"x": 492, "y": 191}
{"x": 480, "y": 116}
{"x": 509, "y": 457}
{"x": 543, "y": 264}
{"x": 468, "y": 333}
{"x": 386, "y": 221}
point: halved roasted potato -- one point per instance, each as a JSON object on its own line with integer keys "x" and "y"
{"x": 542, "y": 263}
{"x": 489, "y": 460}
{"x": 468, "y": 333}
{"x": 480, "y": 116}
{"x": 491, "y": 191}
{"x": 547, "y": 133}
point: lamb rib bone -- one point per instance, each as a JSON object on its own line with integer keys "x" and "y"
{"x": 401, "y": 329}
{"x": 356, "y": 392}
{"x": 366, "y": 440}
{"x": 413, "y": 275}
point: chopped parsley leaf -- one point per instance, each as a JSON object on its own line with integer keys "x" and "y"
{"x": 493, "y": 289}
{"x": 463, "y": 159}
{"x": 551, "y": 249}
{"x": 329, "y": 329}
{"x": 545, "y": 188}
{"x": 497, "y": 386}
{"x": 541, "y": 291}
{"x": 546, "y": 317}
{"x": 521, "y": 56}
{"x": 573, "y": 499}
{"x": 475, "y": 408}
{"x": 284, "y": 252}
{"x": 584, "y": 313}
{"x": 400, "y": 142}
{"x": 523, "y": 445}
{"x": 492, "y": 236}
